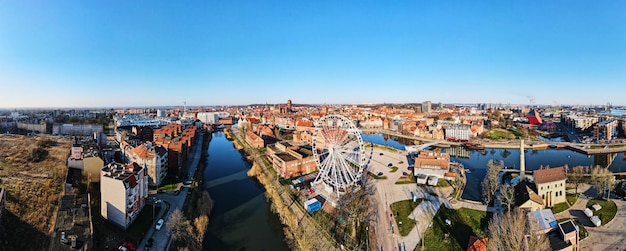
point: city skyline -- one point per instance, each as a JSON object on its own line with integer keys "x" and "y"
{"x": 118, "y": 54}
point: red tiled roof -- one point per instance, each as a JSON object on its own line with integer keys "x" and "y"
{"x": 476, "y": 244}
{"x": 549, "y": 175}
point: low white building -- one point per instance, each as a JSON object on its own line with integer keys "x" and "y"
{"x": 124, "y": 191}
{"x": 432, "y": 164}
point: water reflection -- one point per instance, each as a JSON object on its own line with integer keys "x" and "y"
{"x": 477, "y": 160}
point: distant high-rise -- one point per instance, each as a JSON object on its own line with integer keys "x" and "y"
{"x": 426, "y": 107}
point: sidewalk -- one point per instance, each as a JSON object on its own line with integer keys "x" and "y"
{"x": 173, "y": 201}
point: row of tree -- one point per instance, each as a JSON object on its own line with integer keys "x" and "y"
{"x": 191, "y": 232}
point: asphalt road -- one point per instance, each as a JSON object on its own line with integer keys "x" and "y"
{"x": 172, "y": 201}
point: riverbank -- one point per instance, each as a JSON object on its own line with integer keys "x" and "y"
{"x": 198, "y": 204}
{"x": 301, "y": 231}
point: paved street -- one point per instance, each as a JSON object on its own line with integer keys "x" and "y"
{"x": 387, "y": 193}
{"x": 609, "y": 236}
{"x": 173, "y": 201}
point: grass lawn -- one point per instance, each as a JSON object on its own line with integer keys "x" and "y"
{"x": 465, "y": 223}
{"x": 376, "y": 177}
{"x": 571, "y": 198}
{"x": 499, "y": 134}
{"x": 406, "y": 180}
{"x": 560, "y": 207}
{"x": 517, "y": 133}
{"x": 583, "y": 232}
{"x": 385, "y": 148}
{"x": 607, "y": 213}
{"x": 442, "y": 183}
{"x": 393, "y": 169}
{"x": 401, "y": 211}
{"x": 170, "y": 184}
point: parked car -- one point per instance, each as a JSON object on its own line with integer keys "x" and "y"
{"x": 390, "y": 165}
{"x": 409, "y": 168}
{"x": 149, "y": 244}
{"x": 381, "y": 154}
{"x": 405, "y": 174}
{"x": 380, "y": 173}
{"x": 159, "y": 224}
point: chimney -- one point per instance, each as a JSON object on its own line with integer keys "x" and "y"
{"x": 522, "y": 167}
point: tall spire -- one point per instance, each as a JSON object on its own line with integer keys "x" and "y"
{"x": 522, "y": 166}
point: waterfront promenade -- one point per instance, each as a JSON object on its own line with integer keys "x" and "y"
{"x": 514, "y": 144}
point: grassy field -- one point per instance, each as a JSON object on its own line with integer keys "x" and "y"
{"x": 464, "y": 223}
{"x": 571, "y": 198}
{"x": 406, "y": 180}
{"x": 443, "y": 183}
{"x": 381, "y": 147}
{"x": 33, "y": 188}
{"x": 560, "y": 207}
{"x": 376, "y": 177}
{"x": 608, "y": 211}
{"x": 500, "y": 134}
{"x": 401, "y": 211}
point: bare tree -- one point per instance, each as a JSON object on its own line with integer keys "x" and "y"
{"x": 204, "y": 204}
{"x": 603, "y": 180}
{"x": 507, "y": 193}
{"x": 490, "y": 182}
{"x": 577, "y": 176}
{"x": 200, "y": 224}
{"x": 513, "y": 231}
{"x": 177, "y": 225}
{"x": 357, "y": 208}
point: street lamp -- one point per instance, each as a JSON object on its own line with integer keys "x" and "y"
{"x": 154, "y": 203}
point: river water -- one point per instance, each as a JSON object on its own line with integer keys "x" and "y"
{"x": 477, "y": 160}
{"x": 241, "y": 219}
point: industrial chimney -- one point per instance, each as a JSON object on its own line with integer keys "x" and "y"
{"x": 522, "y": 166}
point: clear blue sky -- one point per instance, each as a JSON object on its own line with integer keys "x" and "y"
{"x": 136, "y": 53}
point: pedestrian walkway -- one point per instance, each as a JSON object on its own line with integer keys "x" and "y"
{"x": 576, "y": 210}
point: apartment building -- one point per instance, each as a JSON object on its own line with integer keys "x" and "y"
{"x": 124, "y": 191}
{"x": 581, "y": 122}
{"x": 458, "y": 132}
{"x": 606, "y": 130}
{"x": 178, "y": 141}
{"x": 152, "y": 157}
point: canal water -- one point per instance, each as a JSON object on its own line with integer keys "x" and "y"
{"x": 241, "y": 219}
{"x": 477, "y": 160}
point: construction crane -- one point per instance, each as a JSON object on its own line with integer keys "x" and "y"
{"x": 532, "y": 101}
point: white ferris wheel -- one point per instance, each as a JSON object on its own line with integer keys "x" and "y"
{"x": 339, "y": 153}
